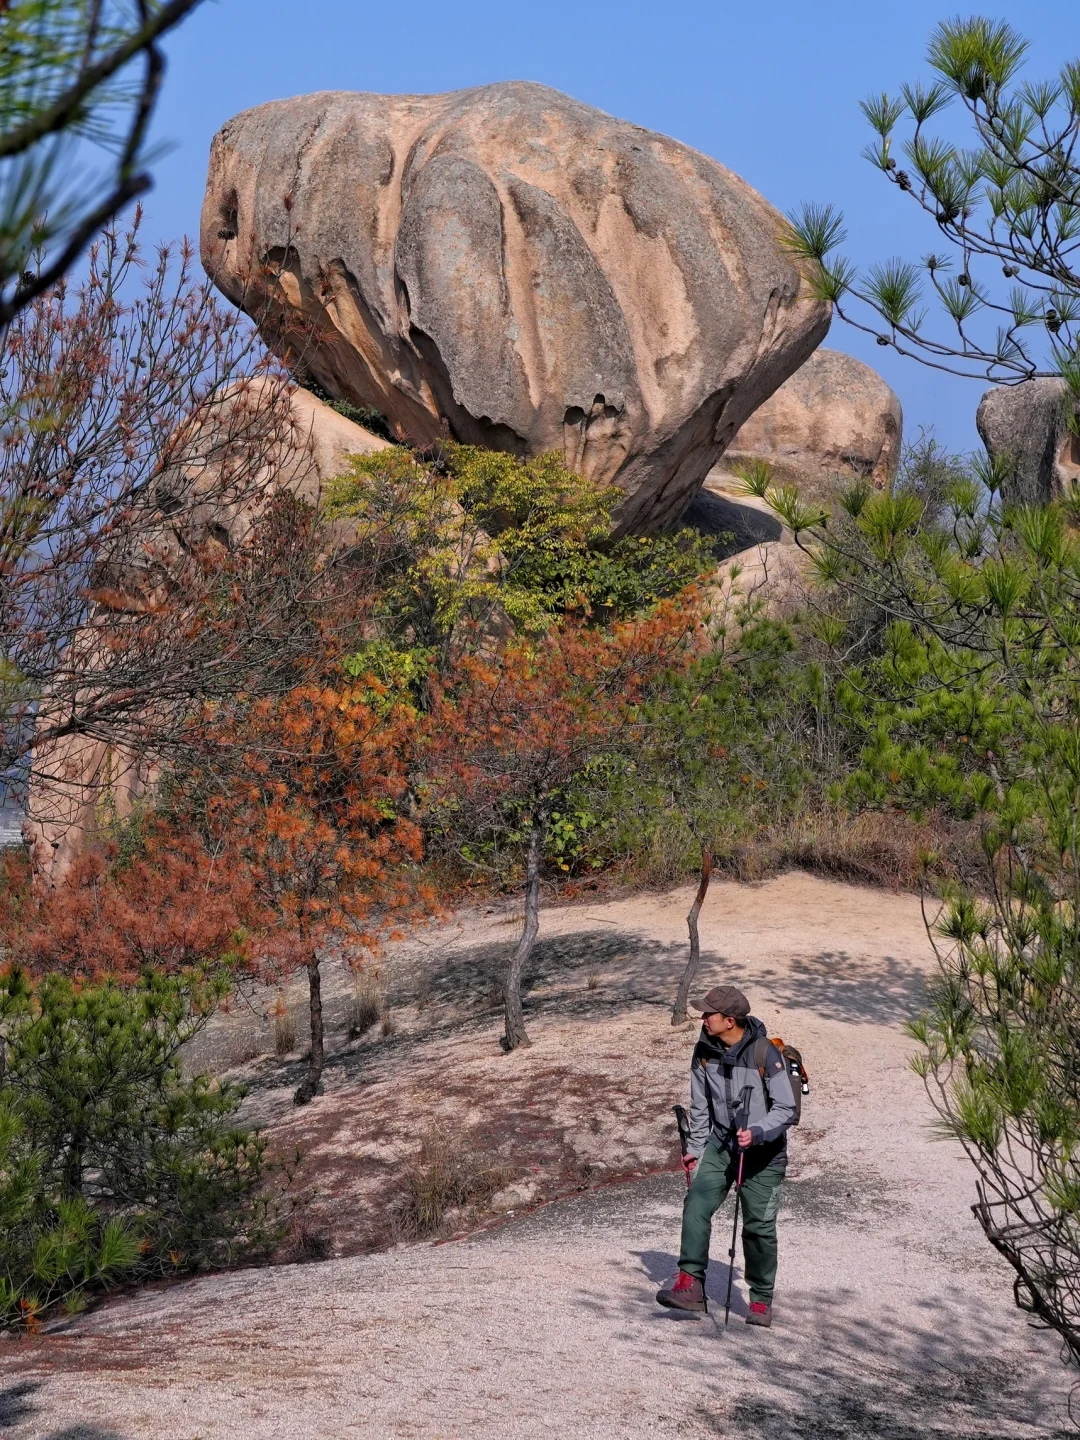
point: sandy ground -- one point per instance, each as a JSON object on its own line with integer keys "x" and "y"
{"x": 894, "y": 1319}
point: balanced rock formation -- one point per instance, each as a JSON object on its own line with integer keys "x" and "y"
{"x": 247, "y": 444}
{"x": 514, "y": 269}
{"x": 835, "y": 419}
{"x": 1028, "y": 425}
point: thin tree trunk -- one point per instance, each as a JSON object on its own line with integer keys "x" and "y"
{"x": 515, "y": 1020}
{"x": 309, "y": 1087}
{"x": 678, "y": 1010}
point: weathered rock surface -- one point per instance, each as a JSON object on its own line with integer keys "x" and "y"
{"x": 516, "y": 269}
{"x": 256, "y": 440}
{"x": 1028, "y": 423}
{"x": 835, "y": 418}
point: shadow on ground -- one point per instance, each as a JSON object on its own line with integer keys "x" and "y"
{"x": 462, "y": 987}
{"x": 18, "y": 1406}
{"x": 833, "y": 983}
{"x": 732, "y": 527}
{"x": 866, "y": 1377}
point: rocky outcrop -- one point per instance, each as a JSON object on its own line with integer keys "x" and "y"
{"x": 517, "y": 270}
{"x": 1027, "y": 425}
{"x": 246, "y": 445}
{"x": 835, "y": 419}
{"x": 255, "y": 439}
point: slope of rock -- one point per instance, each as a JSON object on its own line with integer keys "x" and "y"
{"x": 517, "y": 269}
{"x": 894, "y": 1318}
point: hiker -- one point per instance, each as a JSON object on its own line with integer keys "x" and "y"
{"x": 733, "y": 1055}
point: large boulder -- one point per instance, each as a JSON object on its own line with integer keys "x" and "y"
{"x": 1028, "y": 426}
{"x": 515, "y": 269}
{"x": 834, "y": 420}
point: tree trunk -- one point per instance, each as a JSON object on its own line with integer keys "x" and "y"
{"x": 309, "y": 1087}
{"x": 678, "y": 1010}
{"x": 515, "y": 1021}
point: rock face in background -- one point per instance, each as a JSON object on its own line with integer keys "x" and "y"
{"x": 834, "y": 418}
{"x": 516, "y": 269}
{"x": 301, "y": 444}
{"x": 273, "y": 438}
{"x": 1028, "y": 423}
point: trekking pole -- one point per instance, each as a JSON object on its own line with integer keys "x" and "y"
{"x": 741, "y": 1117}
{"x": 684, "y": 1135}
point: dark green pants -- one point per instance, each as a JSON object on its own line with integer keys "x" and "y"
{"x": 714, "y": 1175}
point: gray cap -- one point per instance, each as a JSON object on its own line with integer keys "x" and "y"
{"x": 723, "y": 1000}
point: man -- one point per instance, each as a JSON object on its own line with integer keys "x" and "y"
{"x": 733, "y": 1055}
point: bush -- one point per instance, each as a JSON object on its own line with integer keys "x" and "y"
{"x": 113, "y": 1165}
{"x": 481, "y": 536}
{"x": 447, "y": 1174}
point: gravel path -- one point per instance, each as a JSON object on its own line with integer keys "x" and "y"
{"x": 894, "y": 1319}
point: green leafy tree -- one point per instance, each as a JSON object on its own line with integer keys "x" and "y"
{"x": 72, "y": 73}
{"x": 1006, "y": 208}
{"x": 724, "y": 745}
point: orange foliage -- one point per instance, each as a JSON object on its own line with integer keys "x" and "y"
{"x": 167, "y": 908}
{"x": 521, "y": 726}
{"x": 307, "y": 795}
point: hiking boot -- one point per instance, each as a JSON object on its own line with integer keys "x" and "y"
{"x": 684, "y": 1293}
{"x": 759, "y": 1313}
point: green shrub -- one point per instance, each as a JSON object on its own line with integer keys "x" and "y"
{"x": 480, "y": 535}
{"x": 113, "y": 1165}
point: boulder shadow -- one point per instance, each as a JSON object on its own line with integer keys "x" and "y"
{"x": 731, "y": 527}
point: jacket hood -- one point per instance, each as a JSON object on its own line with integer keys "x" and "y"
{"x": 754, "y": 1030}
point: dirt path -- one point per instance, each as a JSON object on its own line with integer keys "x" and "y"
{"x": 893, "y": 1318}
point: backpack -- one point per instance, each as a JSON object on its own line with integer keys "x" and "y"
{"x": 792, "y": 1058}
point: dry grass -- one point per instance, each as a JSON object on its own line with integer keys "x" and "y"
{"x": 306, "y": 1242}
{"x": 367, "y": 1005}
{"x": 448, "y": 1174}
{"x": 284, "y": 1028}
{"x": 871, "y": 847}
{"x": 246, "y": 1044}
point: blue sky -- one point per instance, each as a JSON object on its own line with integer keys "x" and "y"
{"x": 768, "y": 87}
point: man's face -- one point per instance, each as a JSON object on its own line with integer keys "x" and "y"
{"x": 720, "y": 1026}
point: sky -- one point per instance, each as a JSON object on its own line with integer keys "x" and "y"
{"x": 770, "y": 88}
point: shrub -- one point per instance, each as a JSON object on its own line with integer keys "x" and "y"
{"x": 113, "y": 1164}
{"x": 365, "y": 1006}
{"x": 284, "y": 1028}
{"x": 447, "y": 1173}
{"x": 479, "y": 535}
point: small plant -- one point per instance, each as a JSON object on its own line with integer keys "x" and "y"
{"x": 365, "y": 1006}
{"x": 308, "y": 1243}
{"x": 755, "y": 476}
{"x": 592, "y": 982}
{"x": 389, "y": 1025}
{"x": 284, "y": 1028}
{"x": 247, "y": 1045}
{"x": 447, "y": 1174}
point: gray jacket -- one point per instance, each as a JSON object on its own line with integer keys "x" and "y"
{"x": 718, "y": 1075}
